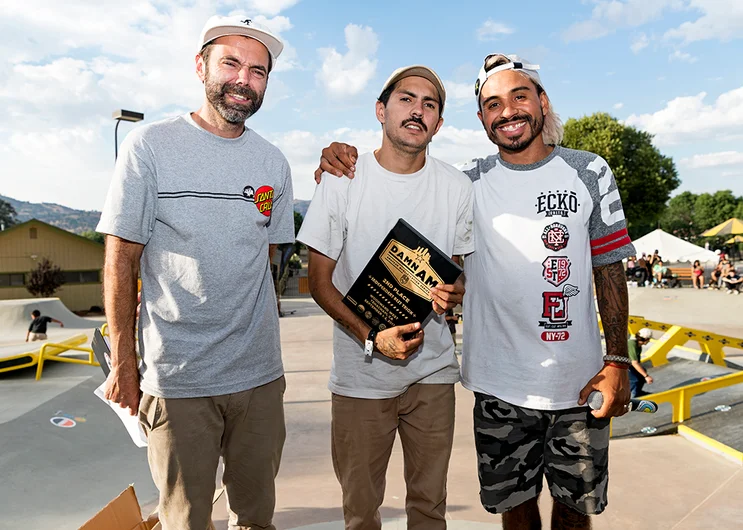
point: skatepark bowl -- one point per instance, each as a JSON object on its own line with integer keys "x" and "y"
{"x": 65, "y": 455}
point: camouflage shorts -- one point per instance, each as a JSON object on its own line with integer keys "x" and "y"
{"x": 516, "y": 447}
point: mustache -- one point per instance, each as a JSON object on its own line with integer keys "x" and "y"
{"x": 240, "y": 90}
{"x": 521, "y": 117}
{"x": 417, "y": 121}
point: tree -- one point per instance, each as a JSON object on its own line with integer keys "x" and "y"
{"x": 298, "y": 219}
{"x": 645, "y": 177}
{"x": 7, "y": 214}
{"x": 711, "y": 210}
{"x": 45, "y": 279}
{"x": 678, "y": 219}
{"x": 94, "y": 236}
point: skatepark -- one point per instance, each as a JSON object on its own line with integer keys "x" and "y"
{"x": 57, "y": 475}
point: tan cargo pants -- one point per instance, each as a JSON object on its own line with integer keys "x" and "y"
{"x": 363, "y": 433}
{"x": 185, "y": 439}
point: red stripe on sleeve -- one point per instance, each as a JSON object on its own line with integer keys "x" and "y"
{"x": 611, "y": 246}
{"x": 611, "y": 237}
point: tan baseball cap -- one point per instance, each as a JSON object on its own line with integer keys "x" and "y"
{"x": 418, "y": 70}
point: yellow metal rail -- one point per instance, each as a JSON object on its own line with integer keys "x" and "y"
{"x": 51, "y": 351}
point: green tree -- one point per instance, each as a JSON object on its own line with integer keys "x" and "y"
{"x": 94, "y": 236}
{"x": 645, "y": 177}
{"x": 711, "y": 210}
{"x": 7, "y": 214}
{"x": 45, "y": 279}
{"x": 678, "y": 218}
{"x": 738, "y": 213}
{"x": 298, "y": 219}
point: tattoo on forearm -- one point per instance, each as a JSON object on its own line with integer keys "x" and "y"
{"x": 613, "y": 302}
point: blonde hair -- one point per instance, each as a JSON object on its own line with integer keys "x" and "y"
{"x": 552, "y": 129}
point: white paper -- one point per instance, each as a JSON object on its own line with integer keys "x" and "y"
{"x": 130, "y": 422}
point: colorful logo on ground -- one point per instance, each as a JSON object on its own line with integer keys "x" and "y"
{"x": 555, "y": 236}
{"x": 263, "y": 199}
{"x": 65, "y": 421}
{"x": 556, "y": 269}
{"x": 555, "y": 308}
{"x": 557, "y": 203}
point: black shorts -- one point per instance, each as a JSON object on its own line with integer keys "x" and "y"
{"x": 517, "y": 447}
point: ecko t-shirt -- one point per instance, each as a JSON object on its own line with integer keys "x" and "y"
{"x": 531, "y": 335}
{"x": 206, "y": 209}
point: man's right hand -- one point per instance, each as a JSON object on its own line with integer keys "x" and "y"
{"x": 122, "y": 387}
{"x": 391, "y": 343}
{"x": 337, "y": 159}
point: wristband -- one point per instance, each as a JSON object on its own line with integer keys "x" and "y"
{"x": 369, "y": 343}
{"x": 617, "y": 359}
{"x": 616, "y": 365}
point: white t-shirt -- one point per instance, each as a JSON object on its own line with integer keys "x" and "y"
{"x": 531, "y": 336}
{"x": 347, "y": 220}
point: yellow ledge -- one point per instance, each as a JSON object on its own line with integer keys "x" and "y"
{"x": 711, "y": 444}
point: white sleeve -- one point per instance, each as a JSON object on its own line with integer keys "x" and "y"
{"x": 464, "y": 241}
{"x": 324, "y": 227}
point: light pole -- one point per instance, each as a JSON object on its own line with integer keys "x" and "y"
{"x": 123, "y": 115}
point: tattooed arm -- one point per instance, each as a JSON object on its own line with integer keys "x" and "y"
{"x": 389, "y": 342}
{"x": 613, "y": 302}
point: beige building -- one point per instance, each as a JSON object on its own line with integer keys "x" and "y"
{"x": 22, "y": 246}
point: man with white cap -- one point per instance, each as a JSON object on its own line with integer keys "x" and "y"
{"x": 638, "y": 376}
{"x": 547, "y": 221}
{"x": 196, "y": 204}
{"x": 403, "y": 384}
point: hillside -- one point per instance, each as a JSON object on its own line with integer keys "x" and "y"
{"x": 77, "y": 221}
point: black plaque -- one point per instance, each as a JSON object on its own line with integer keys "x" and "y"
{"x": 394, "y": 287}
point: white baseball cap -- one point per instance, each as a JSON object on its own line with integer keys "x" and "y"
{"x": 219, "y": 26}
{"x": 418, "y": 70}
{"x": 516, "y": 63}
{"x": 645, "y": 333}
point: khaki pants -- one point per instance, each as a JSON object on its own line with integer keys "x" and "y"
{"x": 185, "y": 439}
{"x": 37, "y": 336}
{"x": 363, "y": 432}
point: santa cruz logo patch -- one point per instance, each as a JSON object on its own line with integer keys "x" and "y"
{"x": 555, "y": 236}
{"x": 556, "y": 269}
{"x": 264, "y": 200}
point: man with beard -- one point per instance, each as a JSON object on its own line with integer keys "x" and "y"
{"x": 195, "y": 204}
{"x": 386, "y": 382}
{"x": 551, "y": 217}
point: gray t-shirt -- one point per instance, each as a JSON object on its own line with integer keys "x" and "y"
{"x": 347, "y": 220}
{"x": 206, "y": 208}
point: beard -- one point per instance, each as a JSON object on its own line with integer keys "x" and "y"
{"x": 404, "y": 144}
{"x": 230, "y": 111}
{"x": 514, "y": 145}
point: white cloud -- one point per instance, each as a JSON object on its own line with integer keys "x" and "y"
{"x": 619, "y": 105}
{"x": 724, "y": 158}
{"x": 348, "y": 74}
{"x": 610, "y": 15}
{"x": 690, "y": 118}
{"x": 720, "y": 20}
{"x": 491, "y": 30}
{"x": 459, "y": 94}
{"x": 303, "y": 149}
{"x": 683, "y": 57}
{"x": 269, "y": 7}
{"x": 639, "y": 43}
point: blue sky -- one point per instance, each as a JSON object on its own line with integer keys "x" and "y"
{"x": 669, "y": 67}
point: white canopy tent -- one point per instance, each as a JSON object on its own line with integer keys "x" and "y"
{"x": 672, "y": 249}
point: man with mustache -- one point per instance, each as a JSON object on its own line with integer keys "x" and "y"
{"x": 547, "y": 219}
{"x": 387, "y": 382}
{"x": 196, "y": 205}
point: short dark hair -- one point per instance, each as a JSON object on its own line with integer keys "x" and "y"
{"x": 384, "y": 97}
{"x": 35, "y": 313}
{"x": 206, "y": 51}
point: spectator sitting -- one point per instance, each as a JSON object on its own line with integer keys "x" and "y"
{"x": 732, "y": 281}
{"x": 638, "y": 376}
{"x": 715, "y": 275}
{"x": 630, "y": 272}
{"x": 37, "y": 329}
{"x": 642, "y": 270}
{"x": 659, "y": 274}
{"x": 697, "y": 275}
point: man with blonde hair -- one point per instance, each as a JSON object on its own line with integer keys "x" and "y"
{"x": 547, "y": 220}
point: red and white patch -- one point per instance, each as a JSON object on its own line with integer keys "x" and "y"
{"x": 263, "y": 200}
{"x": 556, "y": 269}
{"x": 555, "y": 336}
{"x": 555, "y": 237}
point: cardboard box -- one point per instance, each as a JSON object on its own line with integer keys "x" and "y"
{"x": 124, "y": 513}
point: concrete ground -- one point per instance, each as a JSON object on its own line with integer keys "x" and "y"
{"x": 57, "y": 478}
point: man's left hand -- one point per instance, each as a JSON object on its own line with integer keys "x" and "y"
{"x": 447, "y": 296}
{"x": 613, "y": 383}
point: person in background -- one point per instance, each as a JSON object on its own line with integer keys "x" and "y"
{"x": 659, "y": 272}
{"x": 732, "y": 280}
{"x": 37, "y": 329}
{"x": 638, "y": 376}
{"x": 697, "y": 275}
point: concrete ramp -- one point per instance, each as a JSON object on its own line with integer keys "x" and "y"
{"x": 15, "y": 317}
